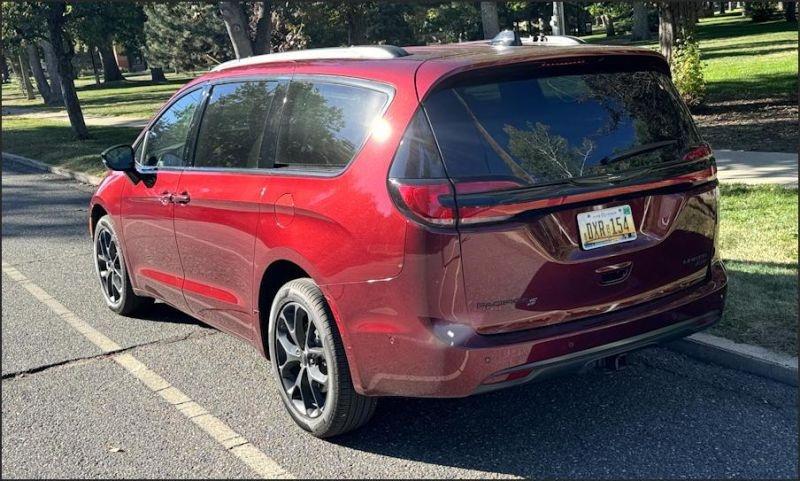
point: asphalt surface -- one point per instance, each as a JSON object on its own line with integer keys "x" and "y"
{"x": 70, "y": 411}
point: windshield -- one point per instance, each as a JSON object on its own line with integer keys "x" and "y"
{"x": 553, "y": 128}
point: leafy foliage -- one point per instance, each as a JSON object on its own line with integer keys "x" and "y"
{"x": 760, "y": 11}
{"x": 185, "y": 35}
{"x": 687, "y": 72}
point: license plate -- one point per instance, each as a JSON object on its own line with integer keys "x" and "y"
{"x": 605, "y": 227}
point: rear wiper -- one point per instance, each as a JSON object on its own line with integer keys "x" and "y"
{"x": 637, "y": 150}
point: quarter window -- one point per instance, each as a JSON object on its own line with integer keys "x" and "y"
{"x": 232, "y": 132}
{"x": 325, "y": 124}
{"x": 166, "y": 140}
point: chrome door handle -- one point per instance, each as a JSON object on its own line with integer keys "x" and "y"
{"x": 182, "y": 198}
{"x": 165, "y": 198}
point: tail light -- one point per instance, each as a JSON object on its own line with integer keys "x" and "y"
{"x": 422, "y": 201}
{"x": 701, "y": 151}
{"x": 417, "y": 180}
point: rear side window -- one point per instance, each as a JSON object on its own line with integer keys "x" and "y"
{"x": 234, "y": 128}
{"x": 545, "y": 129}
{"x": 324, "y": 124}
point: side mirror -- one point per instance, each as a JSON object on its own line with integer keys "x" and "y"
{"x": 119, "y": 157}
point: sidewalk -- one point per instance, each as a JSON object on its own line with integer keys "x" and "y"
{"x": 756, "y": 167}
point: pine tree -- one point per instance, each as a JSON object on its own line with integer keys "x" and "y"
{"x": 185, "y": 36}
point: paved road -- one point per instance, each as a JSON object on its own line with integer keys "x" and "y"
{"x": 68, "y": 410}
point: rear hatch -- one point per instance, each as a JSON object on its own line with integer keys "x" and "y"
{"x": 578, "y": 187}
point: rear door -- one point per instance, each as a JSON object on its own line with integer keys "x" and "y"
{"x": 218, "y": 199}
{"x": 580, "y": 189}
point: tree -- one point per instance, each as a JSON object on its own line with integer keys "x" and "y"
{"x": 22, "y": 28}
{"x": 610, "y": 12}
{"x": 489, "y": 19}
{"x": 38, "y": 74}
{"x": 25, "y": 78}
{"x": 641, "y": 28}
{"x": 238, "y": 17}
{"x": 55, "y": 14}
{"x": 759, "y": 11}
{"x": 790, "y": 11}
{"x": 51, "y": 62}
{"x": 185, "y": 36}
{"x": 102, "y": 23}
{"x": 676, "y": 21}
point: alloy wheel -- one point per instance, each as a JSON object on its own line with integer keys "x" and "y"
{"x": 109, "y": 266}
{"x": 301, "y": 360}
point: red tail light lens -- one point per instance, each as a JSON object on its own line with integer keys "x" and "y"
{"x": 699, "y": 152}
{"x": 422, "y": 200}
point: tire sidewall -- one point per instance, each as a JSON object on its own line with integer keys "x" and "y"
{"x": 105, "y": 224}
{"x": 290, "y": 293}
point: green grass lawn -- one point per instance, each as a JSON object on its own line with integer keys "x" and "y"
{"x": 758, "y": 243}
{"x": 136, "y": 97}
{"x": 52, "y": 141}
{"x": 742, "y": 59}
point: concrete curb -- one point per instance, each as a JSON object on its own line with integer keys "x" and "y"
{"x": 743, "y": 357}
{"x": 38, "y": 165}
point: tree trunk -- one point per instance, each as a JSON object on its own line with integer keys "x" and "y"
{"x": 157, "y": 74}
{"x": 721, "y": 7}
{"x": 608, "y": 24}
{"x": 38, "y": 73}
{"x": 640, "y": 29}
{"x": 263, "y": 41}
{"x": 94, "y": 67}
{"x": 111, "y": 71}
{"x": 790, "y": 11}
{"x": 4, "y": 68}
{"x": 491, "y": 24}
{"x": 25, "y": 79}
{"x": 676, "y": 21}
{"x": 237, "y": 25}
{"x": 52, "y": 71}
{"x": 64, "y": 52}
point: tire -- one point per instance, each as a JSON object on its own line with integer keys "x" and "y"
{"x": 108, "y": 253}
{"x": 341, "y": 409}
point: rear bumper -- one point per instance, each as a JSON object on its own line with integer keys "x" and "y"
{"x": 422, "y": 357}
{"x": 580, "y": 360}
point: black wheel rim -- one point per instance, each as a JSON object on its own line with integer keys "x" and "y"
{"x": 301, "y": 361}
{"x": 109, "y": 266}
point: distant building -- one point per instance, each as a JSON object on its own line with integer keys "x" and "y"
{"x": 130, "y": 60}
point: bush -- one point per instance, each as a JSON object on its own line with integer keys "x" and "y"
{"x": 760, "y": 11}
{"x": 687, "y": 72}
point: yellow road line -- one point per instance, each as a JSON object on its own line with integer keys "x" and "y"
{"x": 220, "y": 432}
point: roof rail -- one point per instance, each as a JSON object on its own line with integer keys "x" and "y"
{"x": 356, "y": 52}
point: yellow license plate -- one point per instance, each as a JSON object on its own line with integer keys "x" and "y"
{"x": 605, "y": 227}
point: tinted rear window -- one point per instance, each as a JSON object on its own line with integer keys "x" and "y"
{"x": 324, "y": 124}
{"x": 548, "y": 129}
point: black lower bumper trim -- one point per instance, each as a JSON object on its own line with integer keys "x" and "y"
{"x": 580, "y": 360}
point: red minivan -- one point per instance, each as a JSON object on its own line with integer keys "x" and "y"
{"x": 430, "y": 221}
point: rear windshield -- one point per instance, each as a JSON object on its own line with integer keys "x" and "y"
{"x": 552, "y": 128}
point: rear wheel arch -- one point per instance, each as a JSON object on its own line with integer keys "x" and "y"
{"x": 274, "y": 277}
